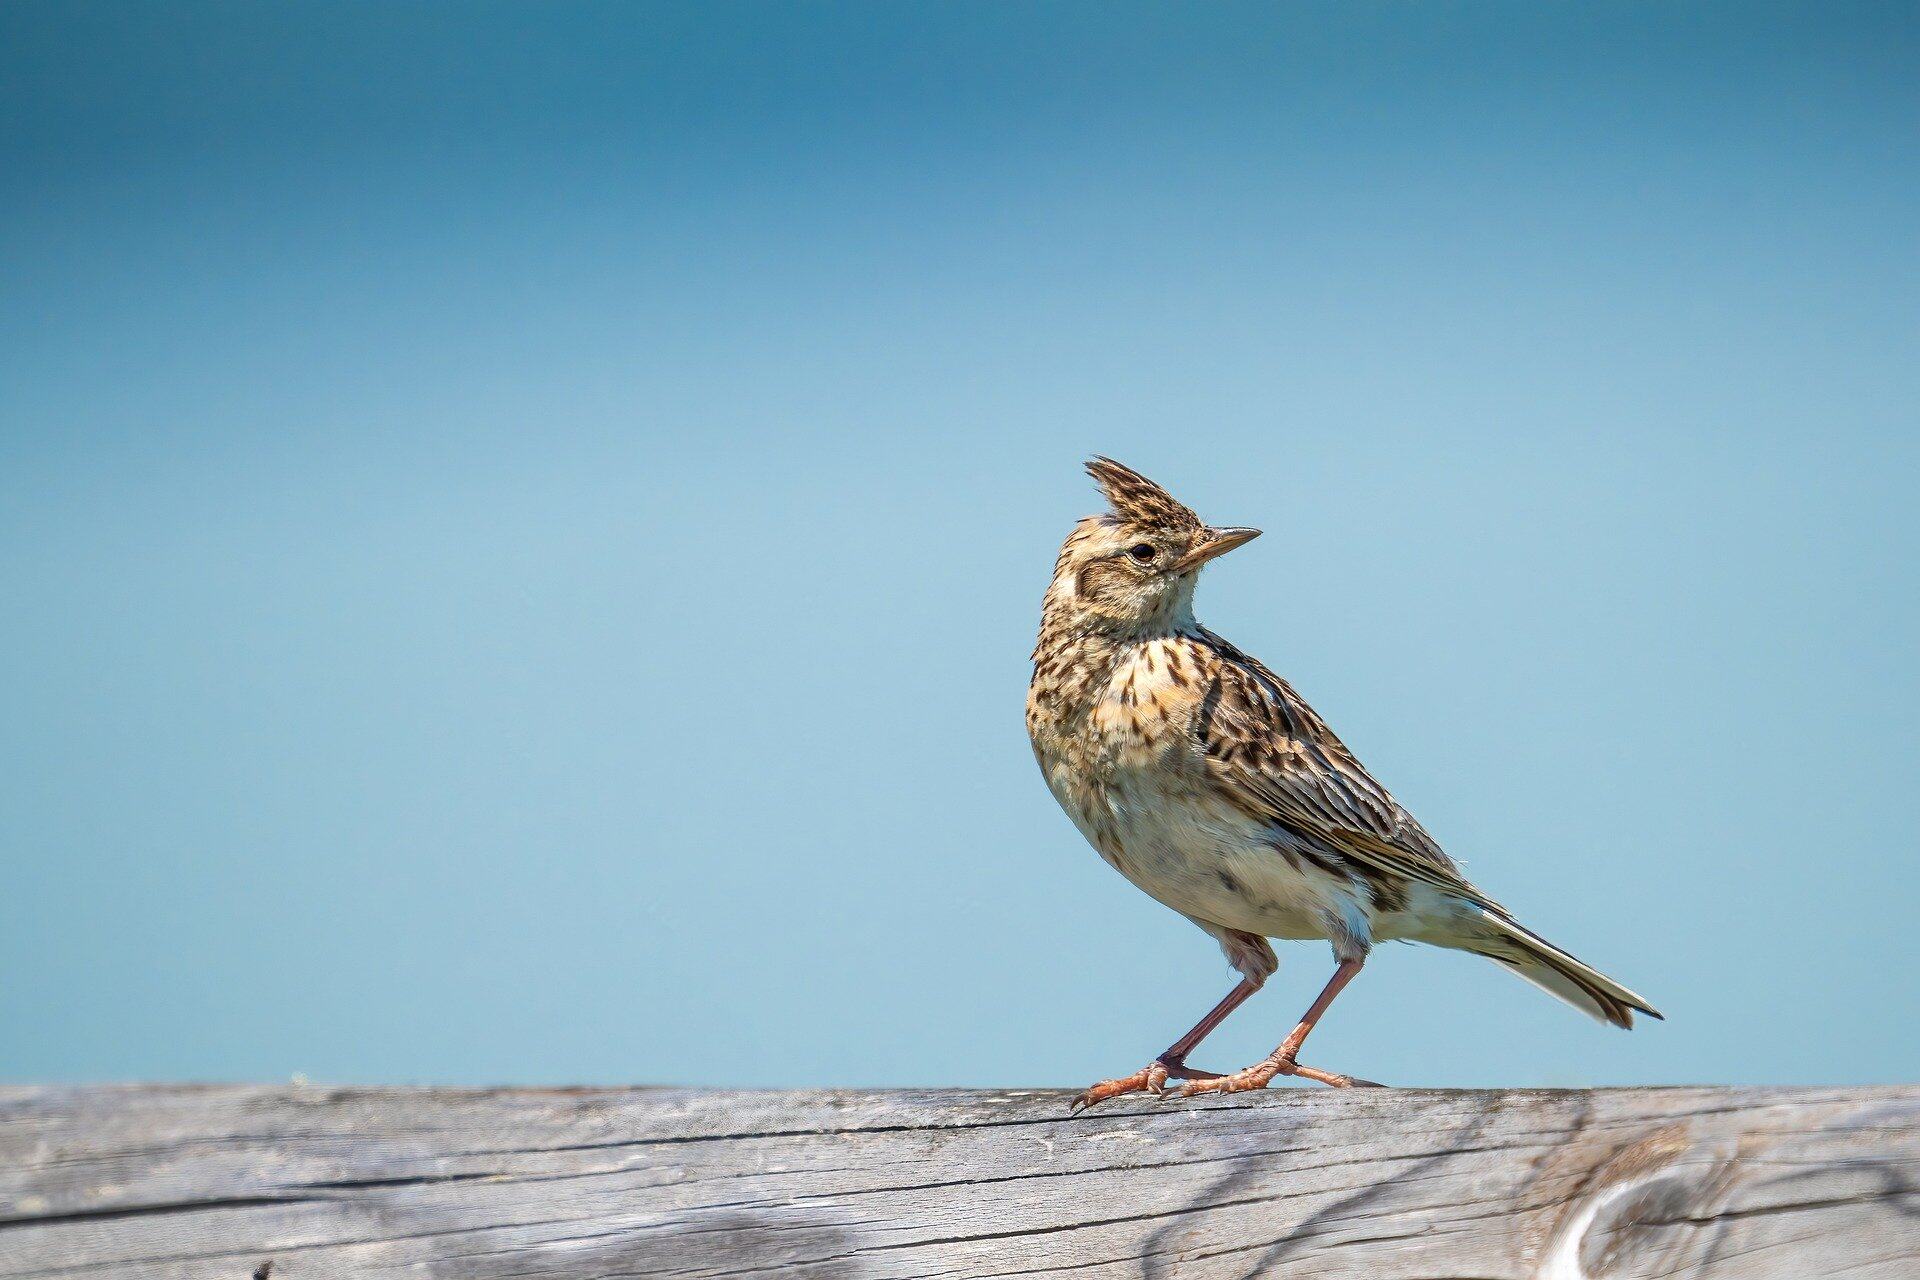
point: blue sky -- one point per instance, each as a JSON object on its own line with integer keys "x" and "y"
{"x": 524, "y": 524}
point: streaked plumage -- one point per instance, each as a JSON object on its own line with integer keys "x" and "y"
{"x": 1206, "y": 780}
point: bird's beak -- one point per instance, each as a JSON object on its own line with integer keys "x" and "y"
{"x": 1217, "y": 542}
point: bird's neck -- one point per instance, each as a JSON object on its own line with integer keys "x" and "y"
{"x": 1068, "y": 617}
{"x": 1079, "y": 650}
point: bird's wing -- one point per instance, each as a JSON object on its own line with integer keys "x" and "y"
{"x": 1274, "y": 757}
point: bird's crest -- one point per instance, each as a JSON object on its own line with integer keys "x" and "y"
{"x": 1138, "y": 500}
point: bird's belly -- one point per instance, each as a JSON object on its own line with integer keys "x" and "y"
{"x": 1208, "y": 860}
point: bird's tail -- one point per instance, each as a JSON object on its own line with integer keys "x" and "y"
{"x": 1555, "y": 972}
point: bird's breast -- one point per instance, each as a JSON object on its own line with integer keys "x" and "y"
{"x": 1123, "y": 752}
{"x": 1124, "y": 763}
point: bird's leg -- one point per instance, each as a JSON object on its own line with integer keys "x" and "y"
{"x": 1281, "y": 1062}
{"x": 1171, "y": 1064}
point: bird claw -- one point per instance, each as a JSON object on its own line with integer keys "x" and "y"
{"x": 1261, "y": 1074}
{"x": 1151, "y": 1078}
{"x": 1242, "y": 1081}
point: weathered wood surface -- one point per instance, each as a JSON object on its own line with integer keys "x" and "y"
{"x": 135, "y": 1183}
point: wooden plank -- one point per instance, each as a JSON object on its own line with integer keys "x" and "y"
{"x": 140, "y": 1182}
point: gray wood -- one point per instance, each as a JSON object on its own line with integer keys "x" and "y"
{"x": 142, "y": 1182}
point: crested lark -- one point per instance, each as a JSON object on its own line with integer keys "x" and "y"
{"x": 1206, "y": 780}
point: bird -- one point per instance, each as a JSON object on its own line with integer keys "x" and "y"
{"x": 1209, "y": 783}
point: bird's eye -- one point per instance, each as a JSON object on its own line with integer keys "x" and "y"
{"x": 1144, "y": 552}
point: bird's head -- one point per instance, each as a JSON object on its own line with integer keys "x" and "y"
{"x": 1133, "y": 568}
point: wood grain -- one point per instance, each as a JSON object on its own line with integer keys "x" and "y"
{"x": 143, "y": 1182}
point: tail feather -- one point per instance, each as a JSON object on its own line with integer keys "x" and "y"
{"x": 1557, "y": 973}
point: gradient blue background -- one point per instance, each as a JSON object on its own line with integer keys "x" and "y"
{"x": 521, "y": 526}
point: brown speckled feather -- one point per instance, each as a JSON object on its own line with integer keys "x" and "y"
{"x": 1274, "y": 756}
{"x": 1139, "y": 501}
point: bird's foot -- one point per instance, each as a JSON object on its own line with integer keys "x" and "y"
{"x": 1151, "y": 1078}
{"x": 1261, "y": 1074}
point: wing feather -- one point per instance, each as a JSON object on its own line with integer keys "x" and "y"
{"x": 1275, "y": 757}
